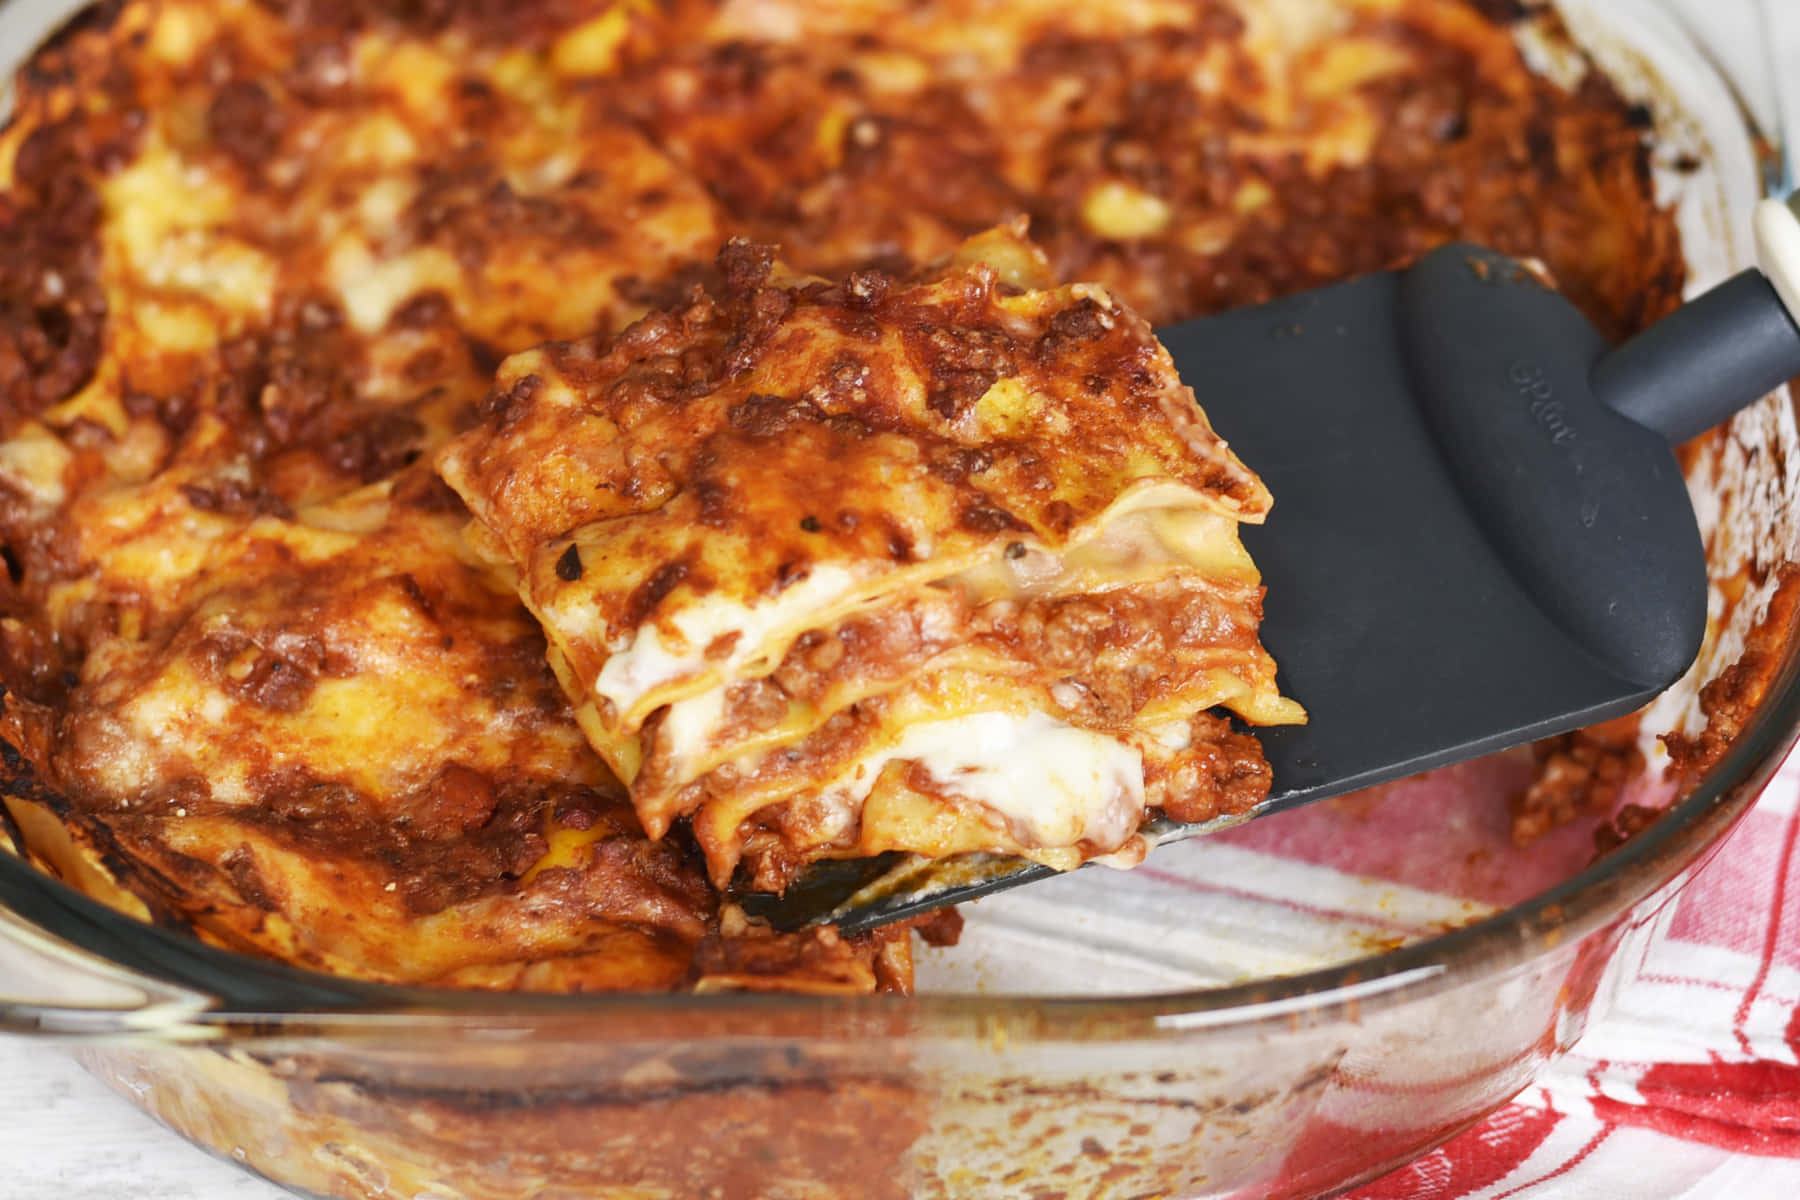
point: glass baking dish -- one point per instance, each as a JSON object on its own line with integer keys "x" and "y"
{"x": 1279, "y": 1012}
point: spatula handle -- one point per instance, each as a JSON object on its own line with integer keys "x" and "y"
{"x": 1778, "y": 248}
{"x": 1721, "y": 351}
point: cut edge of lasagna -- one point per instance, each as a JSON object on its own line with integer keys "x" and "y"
{"x": 937, "y": 563}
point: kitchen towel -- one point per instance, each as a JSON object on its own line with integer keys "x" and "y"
{"x": 1690, "y": 1085}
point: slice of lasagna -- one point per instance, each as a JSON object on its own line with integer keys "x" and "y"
{"x": 938, "y": 564}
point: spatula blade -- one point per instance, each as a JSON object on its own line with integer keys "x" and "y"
{"x": 1394, "y": 619}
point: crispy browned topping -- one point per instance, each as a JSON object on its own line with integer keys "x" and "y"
{"x": 1309, "y": 147}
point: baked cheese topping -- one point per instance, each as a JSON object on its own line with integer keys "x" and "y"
{"x": 264, "y": 258}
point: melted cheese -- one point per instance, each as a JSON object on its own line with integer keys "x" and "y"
{"x": 1053, "y": 785}
{"x": 650, "y": 658}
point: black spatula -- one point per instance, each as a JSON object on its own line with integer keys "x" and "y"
{"x": 1480, "y": 535}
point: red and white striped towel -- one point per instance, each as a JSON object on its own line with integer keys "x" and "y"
{"x": 1690, "y": 1087}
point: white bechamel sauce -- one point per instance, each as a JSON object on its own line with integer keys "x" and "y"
{"x": 1055, "y": 785}
{"x": 643, "y": 661}
{"x": 690, "y": 725}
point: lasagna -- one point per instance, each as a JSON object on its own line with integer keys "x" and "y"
{"x": 940, "y": 563}
{"x": 269, "y": 262}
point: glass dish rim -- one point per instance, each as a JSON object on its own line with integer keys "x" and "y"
{"x": 249, "y": 1003}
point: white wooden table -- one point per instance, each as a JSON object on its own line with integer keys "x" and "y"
{"x": 63, "y": 1136}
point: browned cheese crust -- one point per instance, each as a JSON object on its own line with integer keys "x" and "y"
{"x": 262, "y": 260}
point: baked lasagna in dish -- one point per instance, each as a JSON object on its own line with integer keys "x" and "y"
{"x": 846, "y": 519}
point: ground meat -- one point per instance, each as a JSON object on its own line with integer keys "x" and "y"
{"x": 456, "y": 802}
{"x": 941, "y": 928}
{"x": 245, "y": 122}
{"x": 749, "y": 958}
{"x": 279, "y": 675}
{"x": 52, "y": 306}
{"x": 1578, "y": 773}
{"x": 1624, "y": 825}
{"x": 1729, "y": 701}
{"x": 1222, "y": 772}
